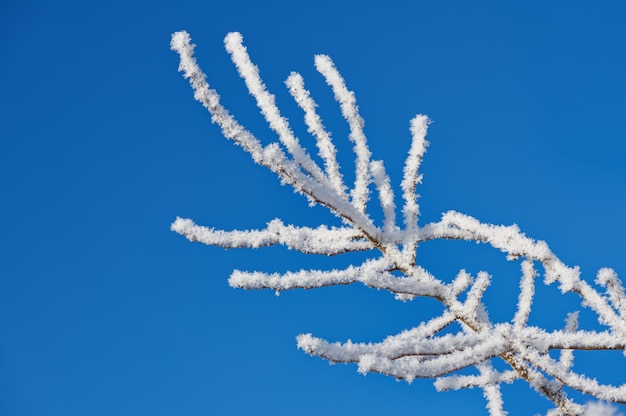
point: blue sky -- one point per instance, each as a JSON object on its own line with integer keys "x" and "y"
{"x": 104, "y": 311}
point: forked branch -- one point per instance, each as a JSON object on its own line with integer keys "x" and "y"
{"x": 426, "y": 351}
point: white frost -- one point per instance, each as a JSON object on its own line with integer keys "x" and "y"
{"x": 432, "y": 349}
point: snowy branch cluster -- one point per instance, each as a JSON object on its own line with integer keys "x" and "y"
{"x": 425, "y": 351}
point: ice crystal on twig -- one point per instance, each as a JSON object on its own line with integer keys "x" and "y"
{"x": 425, "y": 351}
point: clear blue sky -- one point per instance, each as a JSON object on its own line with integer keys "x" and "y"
{"x": 104, "y": 311}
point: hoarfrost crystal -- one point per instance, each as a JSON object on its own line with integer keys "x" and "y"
{"x": 424, "y": 351}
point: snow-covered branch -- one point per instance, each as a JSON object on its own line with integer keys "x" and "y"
{"x": 432, "y": 349}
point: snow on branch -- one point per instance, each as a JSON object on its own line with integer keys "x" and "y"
{"x": 432, "y": 349}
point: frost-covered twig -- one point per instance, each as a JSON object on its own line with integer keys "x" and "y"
{"x": 456, "y": 382}
{"x": 429, "y": 350}
{"x": 314, "y": 123}
{"x": 320, "y": 240}
{"x": 409, "y": 184}
{"x": 350, "y": 111}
